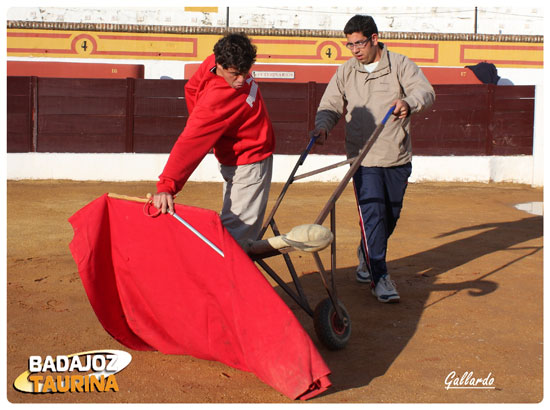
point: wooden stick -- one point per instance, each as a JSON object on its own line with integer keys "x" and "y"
{"x": 129, "y": 198}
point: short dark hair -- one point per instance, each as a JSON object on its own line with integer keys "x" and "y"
{"x": 235, "y": 50}
{"x": 361, "y": 24}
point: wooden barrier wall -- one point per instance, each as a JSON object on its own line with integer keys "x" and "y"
{"x": 146, "y": 116}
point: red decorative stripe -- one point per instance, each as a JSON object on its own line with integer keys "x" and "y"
{"x": 39, "y": 35}
{"x": 262, "y": 41}
{"x": 39, "y": 50}
{"x": 434, "y": 47}
{"x": 465, "y": 47}
{"x": 146, "y": 38}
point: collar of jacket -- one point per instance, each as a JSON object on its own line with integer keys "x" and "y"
{"x": 383, "y": 67}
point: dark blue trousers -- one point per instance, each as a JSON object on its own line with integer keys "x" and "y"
{"x": 379, "y": 193}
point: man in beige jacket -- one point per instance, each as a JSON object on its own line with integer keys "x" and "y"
{"x": 367, "y": 86}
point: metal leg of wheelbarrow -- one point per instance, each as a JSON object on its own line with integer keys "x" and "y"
{"x": 300, "y": 298}
{"x": 331, "y": 290}
{"x": 331, "y": 320}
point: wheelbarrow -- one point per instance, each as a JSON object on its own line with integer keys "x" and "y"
{"x": 331, "y": 320}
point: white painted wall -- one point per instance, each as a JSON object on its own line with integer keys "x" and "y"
{"x": 445, "y": 18}
{"x": 147, "y": 167}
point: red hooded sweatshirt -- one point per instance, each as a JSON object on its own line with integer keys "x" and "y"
{"x": 232, "y": 121}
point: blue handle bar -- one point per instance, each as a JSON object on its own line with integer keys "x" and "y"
{"x": 306, "y": 151}
{"x": 311, "y": 142}
{"x": 388, "y": 114}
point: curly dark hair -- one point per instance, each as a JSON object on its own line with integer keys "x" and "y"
{"x": 236, "y": 51}
{"x": 361, "y": 24}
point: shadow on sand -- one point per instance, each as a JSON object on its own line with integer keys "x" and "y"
{"x": 417, "y": 276}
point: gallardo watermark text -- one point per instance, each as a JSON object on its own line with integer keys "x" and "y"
{"x": 468, "y": 381}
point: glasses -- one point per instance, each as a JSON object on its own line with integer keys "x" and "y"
{"x": 358, "y": 44}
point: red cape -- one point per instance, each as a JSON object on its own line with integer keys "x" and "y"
{"x": 154, "y": 285}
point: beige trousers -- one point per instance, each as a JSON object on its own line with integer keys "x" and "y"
{"x": 245, "y": 194}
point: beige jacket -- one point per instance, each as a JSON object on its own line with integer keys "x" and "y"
{"x": 367, "y": 98}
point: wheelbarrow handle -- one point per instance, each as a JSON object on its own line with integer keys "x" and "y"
{"x": 289, "y": 181}
{"x": 308, "y": 148}
{"x": 388, "y": 114}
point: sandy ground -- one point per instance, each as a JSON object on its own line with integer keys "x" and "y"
{"x": 467, "y": 263}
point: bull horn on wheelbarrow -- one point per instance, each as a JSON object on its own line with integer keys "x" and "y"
{"x": 306, "y": 238}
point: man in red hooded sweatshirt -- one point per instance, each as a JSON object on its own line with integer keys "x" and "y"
{"x": 226, "y": 113}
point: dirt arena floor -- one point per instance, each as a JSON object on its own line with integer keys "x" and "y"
{"x": 467, "y": 263}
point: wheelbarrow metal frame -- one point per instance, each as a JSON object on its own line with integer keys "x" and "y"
{"x": 299, "y": 295}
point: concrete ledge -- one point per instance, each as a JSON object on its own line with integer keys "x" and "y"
{"x": 147, "y": 167}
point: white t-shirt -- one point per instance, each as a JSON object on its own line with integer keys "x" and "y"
{"x": 371, "y": 67}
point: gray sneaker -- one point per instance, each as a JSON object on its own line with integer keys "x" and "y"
{"x": 362, "y": 274}
{"x": 385, "y": 290}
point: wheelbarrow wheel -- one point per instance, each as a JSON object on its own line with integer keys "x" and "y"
{"x": 331, "y": 331}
